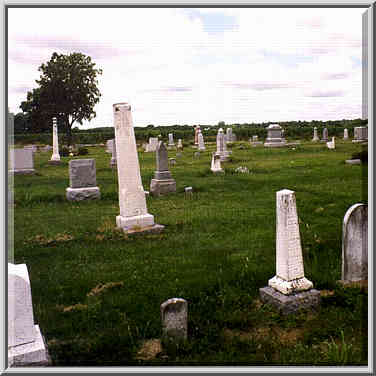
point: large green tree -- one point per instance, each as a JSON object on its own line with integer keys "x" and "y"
{"x": 67, "y": 90}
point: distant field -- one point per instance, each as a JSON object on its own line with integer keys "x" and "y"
{"x": 217, "y": 250}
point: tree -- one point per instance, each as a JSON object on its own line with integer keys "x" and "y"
{"x": 67, "y": 90}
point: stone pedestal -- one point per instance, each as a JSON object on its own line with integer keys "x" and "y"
{"x": 26, "y": 346}
{"x": 133, "y": 211}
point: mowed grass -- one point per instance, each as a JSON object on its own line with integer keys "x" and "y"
{"x": 97, "y": 293}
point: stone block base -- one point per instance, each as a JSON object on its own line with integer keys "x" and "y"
{"x": 79, "y": 194}
{"x": 29, "y": 171}
{"x": 290, "y": 287}
{"x": 161, "y": 187}
{"x": 274, "y": 144}
{"x": 289, "y": 304}
{"x": 155, "y": 229}
{"x": 30, "y": 354}
{"x": 50, "y": 162}
{"x": 136, "y": 222}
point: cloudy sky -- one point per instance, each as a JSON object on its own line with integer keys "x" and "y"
{"x": 200, "y": 65}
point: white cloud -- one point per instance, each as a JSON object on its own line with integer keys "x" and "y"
{"x": 276, "y": 64}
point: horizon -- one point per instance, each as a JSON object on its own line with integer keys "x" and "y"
{"x": 200, "y": 65}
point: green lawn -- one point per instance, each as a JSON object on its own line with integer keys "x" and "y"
{"x": 217, "y": 250}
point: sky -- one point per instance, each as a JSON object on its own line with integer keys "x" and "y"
{"x": 200, "y": 65}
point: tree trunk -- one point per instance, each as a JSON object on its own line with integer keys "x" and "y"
{"x": 68, "y": 130}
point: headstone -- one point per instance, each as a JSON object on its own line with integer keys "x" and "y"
{"x": 201, "y": 145}
{"x": 82, "y": 180}
{"x": 229, "y": 135}
{"x": 254, "y": 141}
{"x": 255, "y": 138}
{"x": 360, "y": 134}
{"x": 315, "y": 135}
{"x": 196, "y": 154}
{"x": 109, "y": 144}
{"x": 197, "y": 129}
{"x": 221, "y": 151}
{"x": 355, "y": 244}
{"x": 331, "y": 144}
{"x": 172, "y": 161}
{"x": 325, "y": 135}
{"x": 133, "y": 217}
{"x": 171, "y": 140}
{"x": 174, "y": 316}
{"x": 274, "y": 138}
{"x": 180, "y": 144}
{"x": 113, "y": 161}
{"x": 289, "y": 290}
{"x": 26, "y": 346}
{"x": 345, "y": 134}
{"x": 55, "y": 158}
{"x": 21, "y": 161}
{"x": 216, "y": 163}
{"x": 162, "y": 183}
{"x": 46, "y": 148}
{"x": 188, "y": 191}
{"x": 152, "y": 146}
{"x": 33, "y": 148}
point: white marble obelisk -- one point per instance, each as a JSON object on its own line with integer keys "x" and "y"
{"x": 289, "y": 261}
{"x": 134, "y": 216}
{"x": 315, "y": 135}
{"x": 55, "y": 143}
{"x": 345, "y": 134}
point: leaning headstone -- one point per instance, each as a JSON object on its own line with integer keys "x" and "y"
{"x": 113, "y": 161}
{"x": 274, "y": 138}
{"x": 26, "y": 345}
{"x": 325, "y": 135}
{"x": 331, "y": 144}
{"x": 289, "y": 290}
{"x": 162, "y": 183}
{"x": 360, "y": 134}
{"x": 355, "y": 244}
{"x": 21, "y": 161}
{"x": 201, "y": 145}
{"x": 171, "y": 140}
{"x": 174, "y": 316}
{"x": 315, "y": 135}
{"x": 216, "y": 163}
{"x": 55, "y": 158}
{"x": 82, "y": 180}
{"x": 133, "y": 217}
{"x": 180, "y": 144}
{"x": 345, "y": 134}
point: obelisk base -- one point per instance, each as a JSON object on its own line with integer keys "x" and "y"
{"x": 289, "y": 304}
{"x": 290, "y": 287}
{"x": 86, "y": 193}
{"x": 162, "y": 187}
{"x": 138, "y": 224}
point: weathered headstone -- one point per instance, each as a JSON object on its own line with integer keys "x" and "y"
{"x": 201, "y": 144}
{"x": 174, "y": 316}
{"x": 172, "y": 161}
{"x": 325, "y": 135}
{"x": 113, "y": 161}
{"x": 133, "y": 217}
{"x": 355, "y": 244}
{"x": 21, "y": 161}
{"x": 55, "y": 158}
{"x": 197, "y": 129}
{"x": 274, "y": 138}
{"x": 26, "y": 346}
{"x": 228, "y": 137}
{"x": 345, "y": 134}
{"x": 162, "y": 183}
{"x": 289, "y": 290}
{"x": 216, "y": 163}
{"x": 221, "y": 145}
{"x": 152, "y": 145}
{"x": 171, "y": 140}
{"x": 315, "y": 135}
{"x": 331, "y": 144}
{"x": 180, "y": 144}
{"x": 109, "y": 144}
{"x": 360, "y": 134}
{"x": 82, "y": 180}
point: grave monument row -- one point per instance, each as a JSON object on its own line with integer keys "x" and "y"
{"x": 133, "y": 216}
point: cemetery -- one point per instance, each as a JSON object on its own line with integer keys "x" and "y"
{"x": 263, "y": 267}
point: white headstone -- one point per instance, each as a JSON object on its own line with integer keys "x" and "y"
{"x": 289, "y": 259}
{"x": 113, "y": 154}
{"x": 355, "y": 243}
{"x": 132, "y": 201}
{"x": 197, "y": 128}
{"x": 55, "y": 142}
{"x": 25, "y": 343}
{"x": 221, "y": 145}
{"x": 274, "y": 138}
{"x": 180, "y": 144}
{"x": 315, "y": 135}
{"x": 109, "y": 144}
{"x": 21, "y": 161}
{"x": 171, "y": 139}
{"x": 201, "y": 145}
{"x": 152, "y": 145}
{"x": 216, "y": 163}
{"x": 345, "y": 134}
{"x": 325, "y": 134}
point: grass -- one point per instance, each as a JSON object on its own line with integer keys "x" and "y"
{"x": 97, "y": 292}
